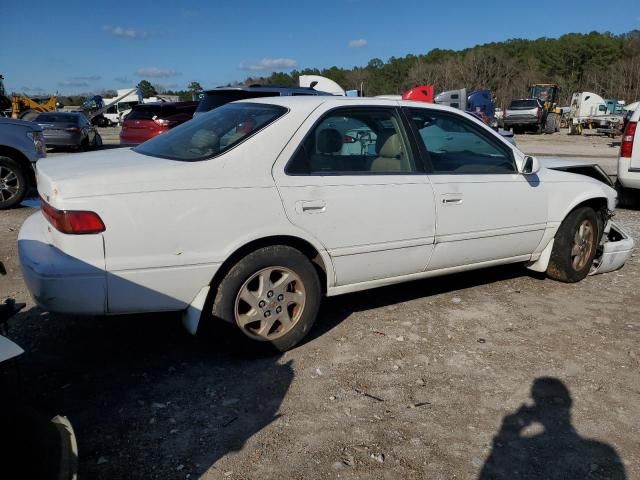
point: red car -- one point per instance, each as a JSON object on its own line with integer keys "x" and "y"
{"x": 151, "y": 119}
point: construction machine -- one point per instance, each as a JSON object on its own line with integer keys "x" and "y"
{"x": 22, "y": 106}
{"x": 548, "y": 95}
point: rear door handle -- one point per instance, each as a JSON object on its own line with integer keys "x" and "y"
{"x": 452, "y": 199}
{"x": 311, "y": 206}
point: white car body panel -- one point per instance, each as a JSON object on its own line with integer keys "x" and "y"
{"x": 629, "y": 167}
{"x": 170, "y": 225}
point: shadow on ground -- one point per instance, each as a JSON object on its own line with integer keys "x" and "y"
{"x": 145, "y": 398}
{"x": 538, "y": 441}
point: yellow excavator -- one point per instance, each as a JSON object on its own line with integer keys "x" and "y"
{"x": 22, "y": 106}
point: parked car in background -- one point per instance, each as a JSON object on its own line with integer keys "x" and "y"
{"x": 256, "y": 211}
{"x": 148, "y": 120}
{"x": 523, "y": 114}
{"x": 21, "y": 146}
{"x": 219, "y": 96}
{"x": 68, "y": 129}
{"x": 629, "y": 160}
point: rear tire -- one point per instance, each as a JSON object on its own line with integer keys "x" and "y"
{"x": 272, "y": 295}
{"x": 575, "y": 246}
{"x": 626, "y": 196}
{"x": 97, "y": 142}
{"x": 13, "y": 183}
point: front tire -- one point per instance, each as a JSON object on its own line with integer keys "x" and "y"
{"x": 575, "y": 246}
{"x": 272, "y": 295}
{"x": 13, "y": 183}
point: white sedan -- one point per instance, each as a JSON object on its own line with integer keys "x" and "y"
{"x": 253, "y": 212}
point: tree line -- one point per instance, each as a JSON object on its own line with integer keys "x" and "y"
{"x": 603, "y": 63}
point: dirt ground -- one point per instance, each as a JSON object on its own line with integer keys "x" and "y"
{"x": 499, "y": 373}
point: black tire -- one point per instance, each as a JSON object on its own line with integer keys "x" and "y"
{"x": 13, "y": 183}
{"x": 97, "y": 142}
{"x": 551, "y": 123}
{"x": 565, "y": 265}
{"x": 626, "y": 197}
{"x": 84, "y": 145}
{"x": 227, "y": 294}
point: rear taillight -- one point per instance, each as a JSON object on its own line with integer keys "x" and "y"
{"x": 626, "y": 147}
{"x": 538, "y": 112}
{"x": 72, "y": 129}
{"x": 348, "y": 139}
{"x": 163, "y": 122}
{"x": 74, "y": 222}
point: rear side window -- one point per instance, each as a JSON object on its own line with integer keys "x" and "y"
{"x": 207, "y": 136}
{"x": 455, "y": 145}
{"x": 355, "y": 141}
{"x": 215, "y": 99}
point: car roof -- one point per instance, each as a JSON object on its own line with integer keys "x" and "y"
{"x": 340, "y": 101}
{"x": 268, "y": 88}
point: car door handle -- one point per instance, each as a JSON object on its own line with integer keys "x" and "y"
{"x": 311, "y": 206}
{"x": 452, "y": 199}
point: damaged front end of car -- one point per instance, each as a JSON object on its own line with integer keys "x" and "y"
{"x": 614, "y": 250}
{"x": 616, "y": 245}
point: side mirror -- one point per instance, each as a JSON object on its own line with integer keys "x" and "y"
{"x": 531, "y": 166}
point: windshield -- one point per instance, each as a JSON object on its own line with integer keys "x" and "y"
{"x": 57, "y": 117}
{"x": 210, "y": 135}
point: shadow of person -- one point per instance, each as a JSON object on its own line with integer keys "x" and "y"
{"x": 558, "y": 452}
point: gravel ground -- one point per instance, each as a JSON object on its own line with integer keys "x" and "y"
{"x": 498, "y": 373}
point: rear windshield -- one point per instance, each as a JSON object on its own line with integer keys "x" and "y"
{"x": 209, "y": 135}
{"x": 523, "y": 104}
{"x": 57, "y": 117}
{"x": 214, "y": 99}
{"x": 149, "y": 112}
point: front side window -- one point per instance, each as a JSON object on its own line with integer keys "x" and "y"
{"x": 210, "y": 135}
{"x": 355, "y": 141}
{"x": 457, "y": 146}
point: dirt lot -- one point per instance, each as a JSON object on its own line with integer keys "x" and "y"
{"x": 432, "y": 379}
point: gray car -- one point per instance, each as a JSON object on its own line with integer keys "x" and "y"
{"x": 21, "y": 145}
{"x": 68, "y": 129}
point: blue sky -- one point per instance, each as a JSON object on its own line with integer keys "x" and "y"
{"x": 73, "y": 46}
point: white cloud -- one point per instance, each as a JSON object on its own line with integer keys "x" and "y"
{"x": 124, "y": 32}
{"x": 358, "y": 43}
{"x": 271, "y": 64}
{"x": 155, "y": 72}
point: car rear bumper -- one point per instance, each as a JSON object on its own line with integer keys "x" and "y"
{"x": 63, "y": 140}
{"x": 514, "y": 122}
{"x": 58, "y": 282}
{"x": 628, "y": 177}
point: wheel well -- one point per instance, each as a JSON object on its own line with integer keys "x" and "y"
{"x": 305, "y": 247}
{"x": 599, "y": 205}
{"x": 23, "y": 161}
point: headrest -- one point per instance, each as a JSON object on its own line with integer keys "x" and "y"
{"x": 329, "y": 141}
{"x": 392, "y": 146}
